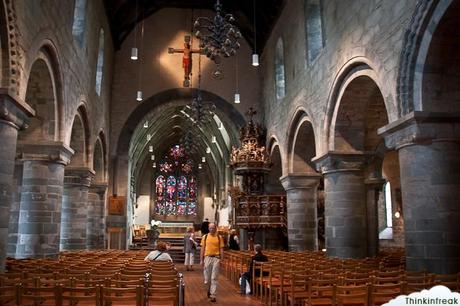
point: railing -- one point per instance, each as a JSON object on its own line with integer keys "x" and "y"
{"x": 260, "y": 211}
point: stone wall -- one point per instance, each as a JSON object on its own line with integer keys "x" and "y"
{"x": 372, "y": 30}
{"x": 40, "y": 23}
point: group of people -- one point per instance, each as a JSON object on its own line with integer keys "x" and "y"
{"x": 212, "y": 252}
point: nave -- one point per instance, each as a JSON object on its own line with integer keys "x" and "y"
{"x": 288, "y": 278}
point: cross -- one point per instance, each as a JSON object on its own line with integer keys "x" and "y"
{"x": 186, "y": 58}
{"x": 250, "y": 113}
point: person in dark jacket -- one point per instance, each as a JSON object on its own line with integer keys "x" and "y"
{"x": 205, "y": 227}
{"x": 233, "y": 241}
{"x": 246, "y": 276}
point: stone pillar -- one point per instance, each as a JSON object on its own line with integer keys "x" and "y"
{"x": 302, "y": 219}
{"x": 374, "y": 186}
{"x": 40, "y": 208}
{"x": 13, "y": 117}
{"x": 14, "y": 209}
{"x": 95, "y": 224}
{"x": 345, "y": 204}
{"x": 429, "y": 155}
{"x": 243, "y": 239}
{"x": 75, "y": 208}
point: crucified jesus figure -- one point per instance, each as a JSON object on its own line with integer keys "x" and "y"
{"x": 186, "y": 58}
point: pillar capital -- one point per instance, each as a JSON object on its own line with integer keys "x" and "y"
{"x": 339, "y": 161}
{"x": 300, "y": 180}
{"x": 47, "y": 151}
{"x": 374, "y": 182}
{"x": 78, "y": 176}
{"x": 421, "y": 127}
{"x": 98, "y": 187}
{"x": 14, "y": 111}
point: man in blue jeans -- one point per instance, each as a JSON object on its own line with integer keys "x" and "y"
{"x": 246, "y": 276}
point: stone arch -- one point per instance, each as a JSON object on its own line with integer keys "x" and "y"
{"x": 41, "y": 96}
{"x": 79, "y": 138}
{"x": 273, "y": 184}
{"x": 352, "y": 68}
{"x": 99, "y": 160}
{"x": 301, "y": 144}
{"x": 441, "y": 69}
{"x": 46, "y": 55}
{"x": 232, "y": 118}
{"x": 4, "y": 47}
{"x": 350, "y": 127}
{"x": 417, "y": 44}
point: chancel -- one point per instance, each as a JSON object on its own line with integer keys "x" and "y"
{"x": 338, "y": 154}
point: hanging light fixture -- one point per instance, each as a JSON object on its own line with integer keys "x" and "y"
{"x": 237, "y": 94}
{"x": 154, "y": 165}
{"x": 146, "y": 124}
{"x": 220, "y": 126}
{"x": 134, "y": 54}
{"x": 213, "y": 139}
{"x": 149, "y": 136}
{"x": 255, "y": 56}
{"x": 208, "y": 150}
{"x": 200, "y": 166}
{"x": 134, "y": 51}
{"x": 152, "y": 157}
{"x": 139, "y": 95}
{"x": 150, "y": 149}
{"x": 237, "y": 98}
{"x": 218, "y": 36}
{"x": 203, "y": 159}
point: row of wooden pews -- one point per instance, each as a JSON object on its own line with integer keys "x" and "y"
{"x": 91, "y": 278}
{"x": 311, "y": 278}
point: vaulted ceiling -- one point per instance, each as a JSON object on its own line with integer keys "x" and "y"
{"x": 125, "y": 14}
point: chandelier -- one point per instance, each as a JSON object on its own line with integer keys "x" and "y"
{"x": 218, "y": 36}
{"x": 199, "y": 112}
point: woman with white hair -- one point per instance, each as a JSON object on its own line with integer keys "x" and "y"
{"x": 189, "y": 248}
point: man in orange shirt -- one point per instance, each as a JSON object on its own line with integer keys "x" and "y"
{"x": 212, "y": 251}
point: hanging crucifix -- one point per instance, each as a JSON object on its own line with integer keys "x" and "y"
{"x": 186, "y": 58}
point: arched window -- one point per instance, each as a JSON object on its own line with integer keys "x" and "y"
{"x": 280, "y": 83}
{"x": 313, "y": 28}
{"x": 100, "y": 63}
{"x": 79, "y": 16}
{"x": 175, "y": 184}
{"x": 388, "y": 205}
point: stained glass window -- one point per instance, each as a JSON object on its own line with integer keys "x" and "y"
{"x": 176, "y": 185}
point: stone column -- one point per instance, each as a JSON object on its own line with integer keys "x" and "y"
{"x": 40, "y": 208}
{"x": 345, "y": 204}
{"x": 14, "y": 209}
{"x": 243, "y": 239}
{"x": 374, "y": 186}
{"x": 95, "y": 224}
{"x": 301, "y": 198}
{"x": 429, "y": 155}
{"x": 14, "y": 115}
{"x": 75, "y": 208}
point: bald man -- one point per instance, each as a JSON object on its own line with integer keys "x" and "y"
{"x": 212, "y": 251}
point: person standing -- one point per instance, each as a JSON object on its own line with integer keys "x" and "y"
{"x": 212, "y": 252}
{"x": 233, "y": 241}
{"x": 205, "y": 227}
{"x": 189, "y": 248}
{"x": 247, "y": 276}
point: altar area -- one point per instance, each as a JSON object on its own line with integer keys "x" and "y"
{"x": 143, "y": 236}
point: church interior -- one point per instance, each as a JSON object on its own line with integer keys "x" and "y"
{"x": 325, "y": 131}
